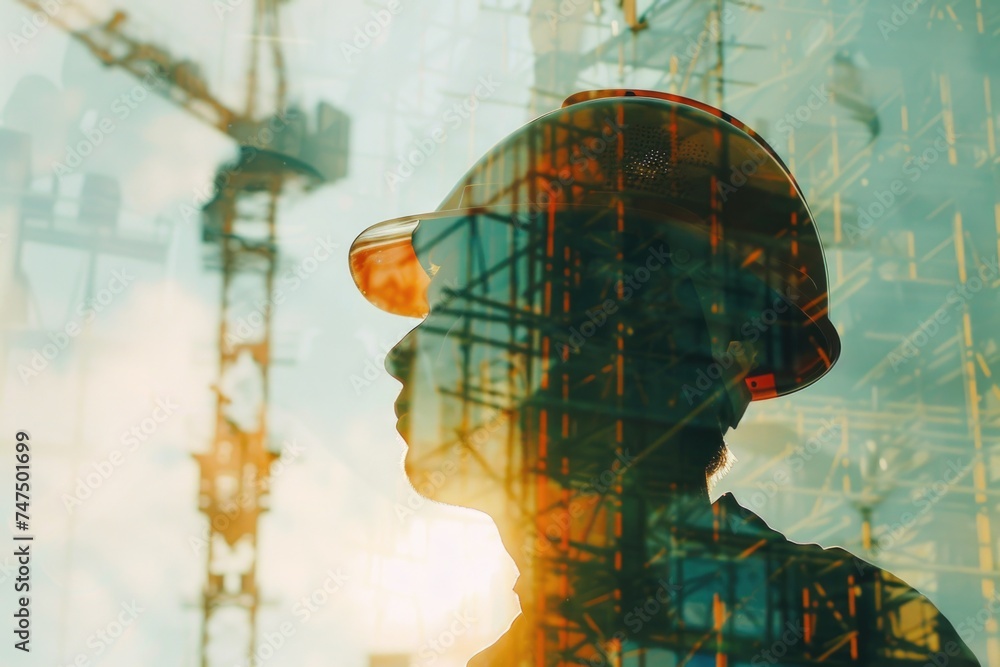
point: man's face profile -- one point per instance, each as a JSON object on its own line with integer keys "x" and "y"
{"x": 454, "y": 426}
{"x": 503, "y": 350}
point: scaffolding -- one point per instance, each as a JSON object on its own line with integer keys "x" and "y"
{"x": 884, "y": 442}
{"x": 548, "y": 444}
{"x": 920, "y": 396}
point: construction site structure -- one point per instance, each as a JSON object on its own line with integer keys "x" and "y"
{"x": 588, "y": 460}
{"x": 83, "y": 214}
{"x": 876, "y": 439}
{"x": 281, "y": 149}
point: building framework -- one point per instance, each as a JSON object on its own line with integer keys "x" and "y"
{"x": 916, "y": 401}
{"x": 533, "y": 445}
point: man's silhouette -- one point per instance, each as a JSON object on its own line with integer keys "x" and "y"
{"x": 603, "y": 295}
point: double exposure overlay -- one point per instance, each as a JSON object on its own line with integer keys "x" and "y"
{"x": 402, "y": 333}
{"x": 600, "y": 307}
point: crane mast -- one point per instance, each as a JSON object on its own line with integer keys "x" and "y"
{"x": 281, "y": 149}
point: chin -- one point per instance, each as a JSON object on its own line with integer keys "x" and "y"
{"x": 424, "y": 481}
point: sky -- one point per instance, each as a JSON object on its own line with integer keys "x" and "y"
{"x": 144, "y": 356}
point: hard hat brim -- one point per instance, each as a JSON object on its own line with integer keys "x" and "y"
{"x": 395, "y": 276}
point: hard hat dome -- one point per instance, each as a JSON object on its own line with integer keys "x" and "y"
{"x": 664, "y": 147}
{"x": 724, "y": 196}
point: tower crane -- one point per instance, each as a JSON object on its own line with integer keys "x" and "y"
{"x": 280, "y": 147}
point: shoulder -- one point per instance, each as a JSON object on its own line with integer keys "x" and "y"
{"x": 873, "y": 593}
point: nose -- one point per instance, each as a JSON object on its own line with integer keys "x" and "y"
{"x": 400, "y": 357}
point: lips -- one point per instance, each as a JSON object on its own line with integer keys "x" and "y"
{"x": 403, "y": 426}
{"x": 401, "y": 406}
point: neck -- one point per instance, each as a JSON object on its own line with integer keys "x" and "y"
{"x": 592, "y": 582}
{"x": 599, "y": 549}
